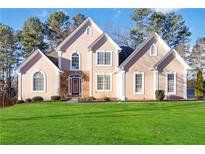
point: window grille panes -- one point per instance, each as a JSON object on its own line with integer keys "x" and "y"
{"x": 38, "y": 81}
{"x": 153, "y": 50}
{"x": 103, "y": 58}
{"x": 103, "y": 82}
{"x": 170, "y": 80}
{"x": 75, "y": 61}
{"x": 138, "y": 83}
{"x": 89, "y": 31}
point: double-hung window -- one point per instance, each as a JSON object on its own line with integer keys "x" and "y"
{"x": 139, "y": 82}
{"x": 104, "y": 82}
{"x": 104, "y": 58}
{"x": 171, "y": 83}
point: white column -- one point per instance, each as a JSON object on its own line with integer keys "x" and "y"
{"x": 60, "y": 59}
{"x": 58, "y": 83}
{"x": 123, "y": 85}
{"x": 185, "y": 84}
{"x": 120, "y": 86}
{"x": 91, "y": 74}
{"x": 156, "y": 82}
{"x": 19, "y": 86}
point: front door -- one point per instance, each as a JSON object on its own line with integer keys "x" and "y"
{"x": 75, "y": 86}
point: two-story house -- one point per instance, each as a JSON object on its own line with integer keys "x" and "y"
{"x": 87, "y": 64}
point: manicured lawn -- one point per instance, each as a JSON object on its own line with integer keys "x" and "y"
{"x": 107, "y": 123}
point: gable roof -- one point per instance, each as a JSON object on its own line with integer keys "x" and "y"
{"x": 34, "y": 54}
{"x": 99, "y": 39}
{"x": 139, "y": 47}
{"x": 59, "y": 47}
{"x": 165, "y": 46}
{"x": 176, "y": 54}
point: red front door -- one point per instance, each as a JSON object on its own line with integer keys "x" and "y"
{"x": 75, "y": 86}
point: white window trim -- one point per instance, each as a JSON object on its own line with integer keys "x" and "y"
{"x": 44, "y": 88}
{"x": 150, "y": 50}
{"x": 91, "y": 31}
{"x": 75, "y": 51}
{"x": 175, "y": 86}
{"x": 97, "y": 57}
{"x": 96, "y": 87}
{"x": 143, "y": 83}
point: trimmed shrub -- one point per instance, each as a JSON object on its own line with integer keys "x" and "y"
{"x": 55, "y": 98}
{"x": 199, "y": 85}
{"x": 107, "y": 99}
{"x": 19, "y": 101}
{"x": 37, "y": 99}
{"x": 159, "y": 94}
{"x": 91, "y": 98}
{"x": 27, "y": 100}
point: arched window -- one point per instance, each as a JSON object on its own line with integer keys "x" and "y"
{"x": 89, "y": 31}
{"x": 75, "y": 61}
{"x": 38, "y": 81}
{"x": 153, "y": 50}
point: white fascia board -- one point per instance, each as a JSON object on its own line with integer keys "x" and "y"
{"x": 162, "y": 42}
{"x": 76, "y": 30}
{"x": 26, "y": 61}
{"x": 181, "y": 60}
{"x": 143, "y": 44}
{"x": 109, "y": 39}
{"x": 32, "y": 55}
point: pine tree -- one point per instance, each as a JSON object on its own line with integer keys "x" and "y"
{"x": 199, "y": 85}
{"x": 170, "y": 26}
{"x": 78, "y": 19}
{"x": 33, "y": 36}
{"x": 7, "y": 59}
{"x": 58, "y": 28}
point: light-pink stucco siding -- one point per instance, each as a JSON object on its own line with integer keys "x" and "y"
{"x": 39, "y": 63}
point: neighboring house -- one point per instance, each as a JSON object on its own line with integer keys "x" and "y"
{"x": 87, "y": 64}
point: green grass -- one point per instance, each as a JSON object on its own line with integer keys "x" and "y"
{"x": 106, "y": 123}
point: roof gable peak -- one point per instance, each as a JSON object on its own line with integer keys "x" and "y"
{"x": 140, "y": 46}
{"x": 176, "y": 54}
{"x": 59, "y": 47}
{"x": 100, "y": 37}
{"x": 31, "y": 57}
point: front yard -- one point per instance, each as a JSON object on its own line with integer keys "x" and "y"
{"x": 106, "y": 123}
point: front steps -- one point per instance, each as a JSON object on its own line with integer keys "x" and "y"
{"x": 73, "y": 100}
